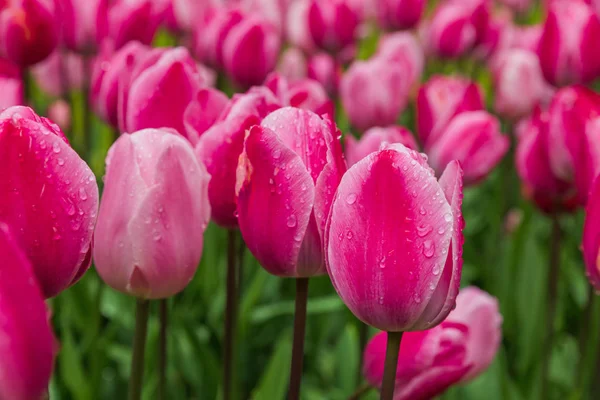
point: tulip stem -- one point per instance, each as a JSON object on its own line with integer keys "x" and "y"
{"x": 360, "y": 392}
{"x": 588, "y": 343}
{"x": 162, "y": 349}
{"x": 391, "y": 364}
{"x": 551, "y": 303}
{"x": 363, "y": 335}
{"x": 139, "y": 346}
{"x": 298, "y": 346}
{"x": 26, "y": 86}
{"x": 230, "y": 315}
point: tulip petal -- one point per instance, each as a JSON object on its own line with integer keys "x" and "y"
{"x": 202, "y": 113}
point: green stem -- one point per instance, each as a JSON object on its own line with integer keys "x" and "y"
{"x": 589, "y": 346}
{"x": 298, "y": 345}
{"x": 362, "y": 390}
{"x": 26, "y": 86}
{"x": 230, "y": 313}
{"x": 391, "y": 365}
{"x": 162, "y": 349}
{"x": 139, "y": 346}
{"x": 363, "y": 333}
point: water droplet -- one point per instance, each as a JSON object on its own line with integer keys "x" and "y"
{"x": 56, "y": 147}
{"x": 291, "y": 221}
{"x": 447, "y": 217}
{"x": 351, "y": 199}
{"x": 276, "y": 153}
{"x": 83, "y": 194}
{"x": 422, "y": 210}
{"x": 417, "y": 298}
{"x": 428, "y": 248}
{"x": 349, "y": 234}
{"x": 271, "y": 181}
{"x": 382, "y": 262}
{"x": 298, "y": 237}
{"x": 56, "y": 235}
{"x": 156, "y": 236}
{"x": 424, "y": 230}
{"x": 436, "y": 270}
{"x": 380, "y": 299}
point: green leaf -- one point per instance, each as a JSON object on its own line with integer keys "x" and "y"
{"x": 274, "y": 382}
{"x": 348, "y": 359}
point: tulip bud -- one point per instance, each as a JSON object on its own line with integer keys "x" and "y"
{"x": 456, "y": 351}
{"x": 60, "y": 73}
{"x": 188, "y": 13}
{"x": 474, "y": 139}
{"x": 399, "y": 14}
{"x": 131, "y": 20}
{"x": 28, "y": 31}
{"x": 591, "y": 236}
{"x": 29, "y": 345}
{"x": 60, "y": 113}
{"x": 451, "y": 32}
{"x": 403, "y": 48}
{"x": 323, "y": 68}
{"x": 153, "y": 214}
{"x": 48, "y": 197}
{"x": 307, "y": 94}
{"x": 376, "y": 138}
{"x": 209, "y": 41}
{"x": 333, "y": 24}
{"x": 393, "y": 240}
{"x": 525, "y": 37}
{"x": 441, "y": 99}
{"x": 292, "y": 64}
{"x": 286, "y": 180}
{"x": 202, "y": 112}
{"x": 297, "y": 27}
{"x": 566, "y": 44}
{"x": 11, "y": 83}
{"x": 84, "y": 24}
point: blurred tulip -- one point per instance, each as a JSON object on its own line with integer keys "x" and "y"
{"x": 60, "y": 113}
{"x": 442, "y": 98}
{"x": 153, "y": 214}
{"x": 28, "y": 30}
{"x": 496, "y": 35}
{"x": 393, "y": 241}
{"x": 323, "y": 68}
{"x": 307, "y": 94}
{"x": 84, "y": 23}
{"x": 474, "y": 139}
{"x": 525, "y": 37}
{"x": 131, "y": 20}
{"x": 399, "y": 14}
{"x": 48, "y": 196}
{"x": 376, "y": 138}
{"x": 567, "y": 42}
{"x": 591, "y": 236}
{"x": 403, "y": 48}
{"x": 292, "y": 64}
{"x": 272, "y": 11}
{"x": 457, "y": 350}
{"x": 202, "y": 112}
{"x": 29, "y": 346}
{"x": 517, "y": 5}
{"x": 189, "y": 13}
{"x": 60, "y": 73}
{"x": 297, "y": 28}
{"x": 11, "y": 85}
{"x": 286, "y": 180}
{"x": 375, "y": 92}
{"x": 210, "y": 39}
{"x": 332, "y": 24}
{"x": 451, "y": 32}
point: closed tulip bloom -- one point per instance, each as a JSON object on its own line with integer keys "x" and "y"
{"x": 399, "y": 14}
{"x": 307, "y": 94}
{"x": 292, "y": 64}
{"x": 565, "y": 49}
{"x": 153, "y": 214}
{"x": 188, "y": 12}
{"x": 393, "y": 241}
{"x": 591, "y": 236}
{"x": 209, "y": 40}
{"x": 84, "y": 24}
{"x": 11, "y": 85}
{"x": 451, "y": 32}
{"x": 441, "y": 99}
{"x": 323, "y": 68}
{"x": 376, "y": 138}
{"x": 202, "y": 112}
{"x": 333, "y": 24}
{"x": 456, "y": 351}
{"x": 28, "y": 31}
{"x": 60, "y": 73}
{"x": 28, "y": 346}
{"x": 287, "y": 177}
{"x": 404, "y": 48}
{"x": 297, "y": 29}
{"x": 131, "y": 20}
{"x": 48, "y": 196}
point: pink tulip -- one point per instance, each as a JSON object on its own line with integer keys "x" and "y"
{"x": 292, "y": 64}
{"x": 28, "y": 30}
{"x": 84, "y": 23}
{"x": 48, "y": 196}
{"x": 202, "y": 112}
{"x": 525, "y": 37}
{"x": 474, "y": 139}
{"x": 404, "y": 49}
{"x": 375, "y": 92}
{"x": 591, "y": 236}
{"x": 273, "y": 11}
{"x": 374, "y": 139}
{"x": 393, "y": 241}
{"x": 332, "y": 24}
{"x": 131, "y": 20}
{"x": 153, "y": 214}
{"x": 189, "y": 13}
{"x": 11, "y": 85}
{"x": 60, "y": 73}
{"x": 286, "y": 180}
{"x": 519, "y": 82}
{"x": 451, "y": 32}
{"x": 566, "y": 48}
{"x": 456, "y": 351}
{"x": 297, "y": 28}
{"x": 496, "y": 35}
{"x": 441, "y": 99}
{"x": 399, "y": 14}
{"x": 29, "y": 347}
{"x": 323, "y": 68}
{"x": 210, "y": 39}
{"x": 60, "y": 113}
{"x": 307, "y": 94}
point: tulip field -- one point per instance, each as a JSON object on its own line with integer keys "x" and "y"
{"x": 300, "y": 199}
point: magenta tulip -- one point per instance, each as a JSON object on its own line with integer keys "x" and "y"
{"x": 307, "y": 94}
{"x": 374, "y": 139}
{"x": 28, "y": 30}
{"x": 11, "y": 85}
{"x": 153, "y": 214}
{"x": 287, "y": 177}
{"x": 202, "y": 112}
{"x": 404, "y": 49}
{"x": 60, "y": 73}
{"x": 333, "y": 24}
{"x": 456, "y": 351}
{"x": 131, "y": 20}
{"x": 84, "y": 23}
{"x": 48, "y": 197}
{"x": 189, "y": 12}
{"x": 399, "y": 14}
{"x": 566, "y": 48}
{"x": 393, "y": 241}
{"x": 451, "y": 32}
{"x": 591, "y": 236}
{"x": 210, "y": 39}
{"x": 28, "y": 345}
{"x": 474, "y": 139}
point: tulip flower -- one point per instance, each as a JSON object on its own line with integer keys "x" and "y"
{"x": 399, "y": 14}
{"x": 566, "y": 44}
{"x": 292, "y": 64}
{"x": 60, "y": 73}
{"x": 202, "y": 112}
{"x": 307, "y": 94}
{"x": 60, "y": 113}
{"x": 323, "y": 68}
{"x": 153, "y": 213}
{"x": 297, "y": 27}
{"x": 131, "y": 20}
{"x": 84, "y": 24}
{"x": 451, "y": 32}
{"x": 474, "y": 139}
{"x": 375, "y": 138}
{"x": 28, "y": 342}
{"x": 48, "y": 197}
{"x": 210, "y": 39}
{"x": 454, "y": 352}
{"x": 441, "y": 99}
{"x": 189, "y": 12}
{"x": 11, "y": 85}
{"x": 591, "y": 236}
{"x": 28, "y": 31}
{"x": 375, "y": 92}
{"x": 403, "y": 48}
{"x": 332, "y": 24}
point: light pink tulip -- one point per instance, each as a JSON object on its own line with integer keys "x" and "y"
{"x": 292, "y": 64}
{"x": 153, "y": 214}
{"x": 403, "y": 48}
{"x": 202, "y": 112}
{"x": 189, "y": 13}
{"x": 374, "y": 139}
{"x": 28, "y": 345}
{"x": 60, "y": 113}
{"x": 451, "y": 32}
{"x": 210, "y": 39}
{"x": 84, "y": 23}
{"x": 297, "y": 28}
{"x": 11, "y": 85}
{"x": 131, "y": 20}
{"x": 60, "y": 73}
{"x": 399, "y": 14}
{"x": 287, "y": 177}
{"x": 393, "y": 241}
{"x": 48, "y": 196}
{"x": 323, "y": 68}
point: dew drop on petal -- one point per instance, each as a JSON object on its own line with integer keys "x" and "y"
{"x": 351, "y": 199}
{"x": 291, "y": 221}
{"x": 428, "y": 248}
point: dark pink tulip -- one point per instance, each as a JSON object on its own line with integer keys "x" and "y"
{"x": 451, "y": 32}
{"x": 566, "y": 46}
{"x": 48, "y": 196}
{"x": 495, "y": 36}
{"x": 474, "y": 139}
{"x": 131, "y": 20}
{"x": 273, "y": 11}
{"x": 403, "y": 48}
{"x": 259, "y": 101}
{"x": 457, "y": 350}
{"x": 202, "y": 112}
{"x": 333, "y": 24}
{"x": 60, "y": 73}
{"x": 323, "y": 68}
{"x": 11, "y": 85}
{"x": 376, "y": 138}
{"x": 60, "y": 113}
{"x": 28, "y": 30}
{"x": 393, "y": 241}
{"x": 287, "y": 177}
{"x": 29, "y": 346}
{"x": 84, "y": 23}
{"x": 375, "y": 92}
{"x": 307, "y": 94}
{"x": 591, "y": 236}
{"x": 153, "y": 214}
{"x": 441, "y": 99}
{"x": 399, "y": 14}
